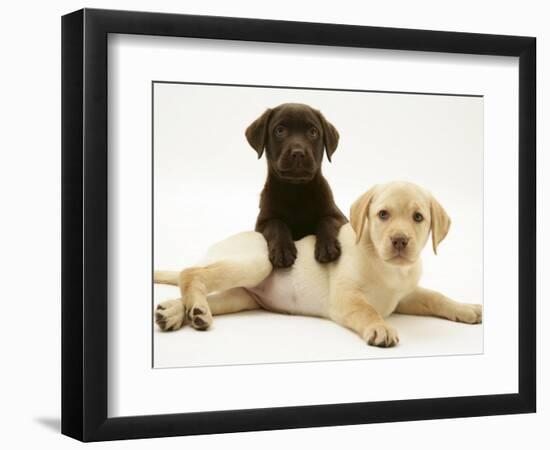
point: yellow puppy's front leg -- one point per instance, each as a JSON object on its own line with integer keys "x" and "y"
{"x": 353, "y": 311}
{"x": 424, "y": 302}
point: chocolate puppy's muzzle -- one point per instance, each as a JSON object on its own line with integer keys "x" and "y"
{"x": 297, "y": 161}
{"x": 297, "y": 156}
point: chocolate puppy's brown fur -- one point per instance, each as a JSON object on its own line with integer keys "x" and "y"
{"x": 296, "y": 200}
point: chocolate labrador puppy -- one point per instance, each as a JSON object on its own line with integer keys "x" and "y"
{"x": 296, "y": 200}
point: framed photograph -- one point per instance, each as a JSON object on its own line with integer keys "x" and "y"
{"x": 273, "y": 224}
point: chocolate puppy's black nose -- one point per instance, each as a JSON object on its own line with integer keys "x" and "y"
{"x": 297, "y": 154}
{"x": 399, "y": 242}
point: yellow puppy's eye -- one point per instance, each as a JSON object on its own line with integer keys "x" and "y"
{"x": 383, "y": 214}
{"x": 418, "y": 217}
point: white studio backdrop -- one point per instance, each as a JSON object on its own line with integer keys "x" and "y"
{"x": 135, "y": 61}
{"x": 207, "y": 181}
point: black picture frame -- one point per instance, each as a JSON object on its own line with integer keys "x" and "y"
{"x": 84, "y": 224}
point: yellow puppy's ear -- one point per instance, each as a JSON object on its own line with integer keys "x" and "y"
{"x": 441, "y": 223}
{"x": 359, "y": 212}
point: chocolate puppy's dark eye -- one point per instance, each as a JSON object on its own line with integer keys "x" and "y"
{"x": 418, "y": 217}
{"x": 313, "y": 132}
{"x": 383, "y": 214}
{"x": 280, "y": 131}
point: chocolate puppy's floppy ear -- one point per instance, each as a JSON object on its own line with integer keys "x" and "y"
{"x": 330, "y": 135}
{"x": 440, "y": 223}
{"x": 256, "y": 133}
{"x": 360, "y": 211}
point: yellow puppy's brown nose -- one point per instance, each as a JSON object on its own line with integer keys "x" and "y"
{"x": 399, "y": 242}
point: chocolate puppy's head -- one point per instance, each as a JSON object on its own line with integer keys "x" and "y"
{"x": 294, "y": 137}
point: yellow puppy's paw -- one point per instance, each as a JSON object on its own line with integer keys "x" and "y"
{"x": 169, "y": 315}
{"x": 468, "y": 313}
{"x": 381, "y": 335}
{"x": 199, "y": 316}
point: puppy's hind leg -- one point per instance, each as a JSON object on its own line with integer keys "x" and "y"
{"x": 231, "y": 301}
{"x": 220, "y": 284}
{"x": 197, "y": 282}
{"x": 170, "y": 314}
{"x": 239, "y": 261}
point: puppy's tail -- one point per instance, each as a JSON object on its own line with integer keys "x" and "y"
{"x": 166, "y": 277}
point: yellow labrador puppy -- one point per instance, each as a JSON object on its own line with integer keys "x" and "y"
{"x": 377, "y": 274}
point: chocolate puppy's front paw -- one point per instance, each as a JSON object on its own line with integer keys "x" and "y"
{"x": 282, "y": 255}
{"x": 327, "y": 250}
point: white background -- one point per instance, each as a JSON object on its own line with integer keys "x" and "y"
{"x": 208, "y": 180}
{"x": 31, "y": 193}
{"x": 137, "y": 60}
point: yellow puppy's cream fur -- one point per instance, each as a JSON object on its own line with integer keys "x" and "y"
{"x": 377, "y": 274}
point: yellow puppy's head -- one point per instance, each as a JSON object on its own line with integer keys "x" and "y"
{"x": 396, "y": 219}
